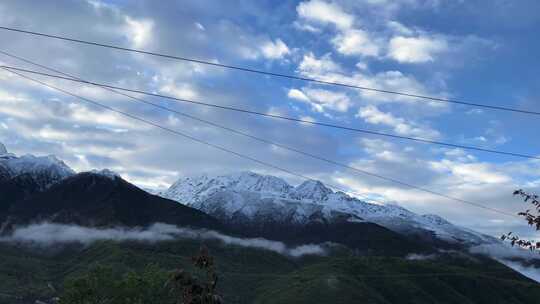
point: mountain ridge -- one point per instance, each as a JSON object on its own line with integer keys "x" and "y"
{"x": 99, "y": 199}
{"x": 45, "y": 170}
{"x": 245, "y": 198}
{"x": 236, "y": 196}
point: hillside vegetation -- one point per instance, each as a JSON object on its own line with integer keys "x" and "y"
{"x": 260, "y": 276}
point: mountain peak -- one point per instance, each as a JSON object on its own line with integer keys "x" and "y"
{"x": 31, "y": 162}
{"x": 252, "y": 181}
{"x": 191, "y": 190}
{"x": 106, "y": 173}
{"x": 312, "y": 190}
{"x": 45, "y": 170}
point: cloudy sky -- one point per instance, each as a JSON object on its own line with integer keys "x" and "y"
{"x": 480, "y": 51}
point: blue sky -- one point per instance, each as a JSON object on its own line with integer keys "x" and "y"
{"x": 479, "y": 51}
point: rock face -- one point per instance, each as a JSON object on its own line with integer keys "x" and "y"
{"x": 262, "y": 200}
{"x": 3, "y": 149}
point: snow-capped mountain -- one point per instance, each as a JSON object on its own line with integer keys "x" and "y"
{"x": 252, "y": 197}
{"x": 44, "y": 170}
{"x": 191, "y": 190}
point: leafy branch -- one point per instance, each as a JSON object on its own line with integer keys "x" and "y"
{"x": 532, "y": 218}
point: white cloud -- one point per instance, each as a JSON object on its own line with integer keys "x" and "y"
{"x": 471, "y": 173}
{"x": 326, "y": 13}
{"x": 373, "y": 115}
{"x": 409, "y": 45}
{"x": 399, "y": 82}
{"x": 383, "y": 150}
{"x": 327, "y": 69}
{"x": 501, "y": 140}
{"x": 200, "y": 26}
{"x": 350, "y": 41}
{"x": 462, "y": 177}
{"x": 480, "y": 138}
{"x": 416, "y": 49}
{"x": 248, "y": 52}
{"x": 399, "y": 28}
{"x": 306, "y": 27}
{"x": 51, "y": 133}
{"x": 183, "y": 90}
{"x": 362, "y": 66}
{"x": 507, "y": 255}
{"x": 475, "y": 112}
{"x": 308, "y": 118}
{"x": 529, "y": 271}
{"x": 312, "y": 66}
{"x": 323, "y": 99}
{"x": 459, "y": 155}
{"x": 16, "y": 105}
{"x": 298, "y": 95}
{"x": 139, "y": 32}
{"x": 81, "y": 113}
{"x": 104, "y": 150}
{"x": 356, "y": 42}
{"x": 420, "y": 257}
{"x": 275, "y": 50}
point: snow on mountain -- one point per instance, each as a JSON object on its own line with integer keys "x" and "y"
{"x": 106, "y": 173}
{"x": 192, "y": 190}
{"x": 3, "y": 149}
{"x": 311, "y": 190}
{"x": 45, "y": 170}
{"x": 248, "y": 196}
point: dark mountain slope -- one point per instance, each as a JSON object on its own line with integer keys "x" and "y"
{"x": 16, "y": 189}
{"x": 386, "y": 281}
{"x": 92, "y": 199}
{"x": 366, "y": 238}
{"x": 5, "y": 174}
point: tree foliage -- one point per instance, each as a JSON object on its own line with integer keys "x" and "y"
{"x": 532, "y": 218}
{"x": 153, "y": 285}
{"x": 195, "y": 291}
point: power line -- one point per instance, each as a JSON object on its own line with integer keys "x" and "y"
{"x": 246, "y": 111}
{"x": 177, "y": 132}
{"x": 282, "y": 146}
{"x": 248, "y": 157}
{"x": 262, "y": 72}
{"x": 188, "y": 116}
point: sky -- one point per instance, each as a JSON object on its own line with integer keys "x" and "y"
{"x": 478, "y": 51}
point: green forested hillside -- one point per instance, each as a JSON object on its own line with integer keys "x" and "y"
{"x": 260, "y": 276}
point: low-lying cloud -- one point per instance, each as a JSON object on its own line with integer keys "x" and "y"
{"x": 46, "y": 234}
{"x": 420, "y": 257}
{"x": 507, "y": 255}
{"x": 504, "y": 251}
{"x": 528, "y": 271}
